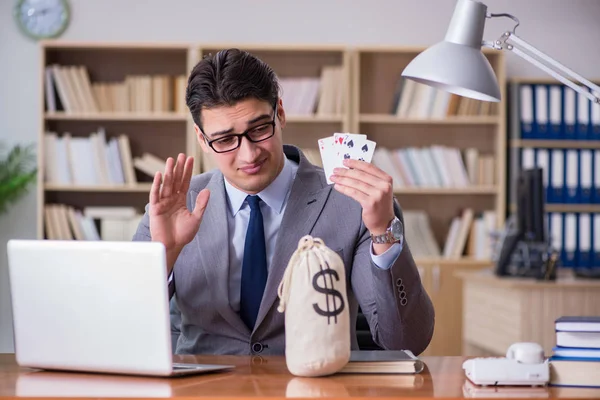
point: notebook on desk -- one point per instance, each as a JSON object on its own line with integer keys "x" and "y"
{"x": 383, "y": 362}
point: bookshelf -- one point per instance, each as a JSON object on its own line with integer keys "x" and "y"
{"x": 95, "y": 93}
{"x": 554, "y": 128}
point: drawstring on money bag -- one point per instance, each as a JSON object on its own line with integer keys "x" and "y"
{"x": 312, "y": 293}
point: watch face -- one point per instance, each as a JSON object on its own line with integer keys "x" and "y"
{"x": 42, "y": 18}
{"x": 397, "y": 229}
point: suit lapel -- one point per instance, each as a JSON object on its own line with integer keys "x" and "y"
{"x": 307, "y": 198}
{"x": 213, "y": 247}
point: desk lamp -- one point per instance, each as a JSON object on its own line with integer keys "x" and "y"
{"x": 457, "y": 65}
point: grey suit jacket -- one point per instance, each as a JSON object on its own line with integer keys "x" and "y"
{"x": 399, "y": 311}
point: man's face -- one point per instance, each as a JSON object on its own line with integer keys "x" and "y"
{"x": 252, "y": 166}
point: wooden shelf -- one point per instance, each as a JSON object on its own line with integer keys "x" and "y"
{"x": 392, "y": 119}
{"x": 62, "y": 116}
{"x": 140, "y": 187}
{"x": 556, "y": 144}
{"x": 567, "y": 208}
{"x": 469, "y": 190}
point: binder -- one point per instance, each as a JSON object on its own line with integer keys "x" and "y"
{"x": 526, "y": 111}
{"x": 585, "y": 176}
{"x": 585, "y": 241}
{"x": 570, "y": 239}
{"x": 596, "y": 177}
{"x": 583, "y": 117}
{"x": 556, "y": 112}
{"x": 569, "y": 113}
{"x": 572, "y": 176}
{"x": 527, "y": 158}
{"x": 541, "y": 125}
{"x": 557, "y": 175}
{"x": 542, "y": 161}
{"x": 556, "y": 232}
{"x": 596, "y": 240}
{"x": 594, "y": 121}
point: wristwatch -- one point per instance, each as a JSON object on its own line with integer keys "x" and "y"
{"x": 393, "y": 234}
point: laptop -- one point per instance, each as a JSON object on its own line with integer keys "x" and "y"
{"x": 93, "y": 306}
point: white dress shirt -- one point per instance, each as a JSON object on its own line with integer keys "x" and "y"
{"x": 274, "y": 199}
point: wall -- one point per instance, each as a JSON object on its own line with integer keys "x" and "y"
{"x": 567, "y": 30}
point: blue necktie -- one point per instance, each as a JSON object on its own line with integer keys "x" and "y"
{"x": 254, "y": 266}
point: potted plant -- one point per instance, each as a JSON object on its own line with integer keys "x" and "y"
{"x": 17, "y": 171}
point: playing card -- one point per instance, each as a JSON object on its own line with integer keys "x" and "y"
{"x": 345, "y": 141}
{"x": 362, "y": 150}
{"x": 340, "y": 146}
{"x": 328, "y": 156}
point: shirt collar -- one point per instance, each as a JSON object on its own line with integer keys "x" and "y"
{"x": 273, "y": 195}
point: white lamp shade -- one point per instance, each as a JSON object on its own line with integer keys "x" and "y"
{"x": 455, "y": 68}
{"x": 457, "y": 64}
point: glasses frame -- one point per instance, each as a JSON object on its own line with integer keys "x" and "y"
{"x": 239, "y": 136}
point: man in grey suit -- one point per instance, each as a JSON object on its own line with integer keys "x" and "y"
{"x": 230, "y": 232}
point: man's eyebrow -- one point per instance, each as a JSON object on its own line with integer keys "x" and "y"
{"x": 252, "y": 121}
{"x": 260, "y": 117}
{"x": 221, "y": 132}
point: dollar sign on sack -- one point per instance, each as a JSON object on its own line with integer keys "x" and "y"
{"x": 326, "y": 287}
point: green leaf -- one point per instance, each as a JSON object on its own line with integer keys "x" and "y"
{"x": 17, "y": 171}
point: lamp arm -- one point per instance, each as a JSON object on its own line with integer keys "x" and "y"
{"x": 511, "y": 42}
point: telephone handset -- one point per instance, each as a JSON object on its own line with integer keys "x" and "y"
{"x": 524, "y": 364}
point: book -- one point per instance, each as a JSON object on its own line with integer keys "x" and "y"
{"x": 576, "y": 352}
{"x": 578, "y": 323}
{"x": 590, "y": 340}
{"x": 383, "y": 362}
{"x": 571, "y": 371}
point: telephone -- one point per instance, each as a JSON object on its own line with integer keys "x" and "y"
{"x": 524, "y": 364}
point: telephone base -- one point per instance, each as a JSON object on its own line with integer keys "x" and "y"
{"x": 499, "y": 371}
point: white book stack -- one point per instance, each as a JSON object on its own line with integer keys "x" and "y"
{"x": 435, "y": 166}
{"x": 470, "y": 234}
{"x": 300, "y": 95}
{"x": 419, "y": 234}
{"x": 65, "y": 222}
{"x": 332, "y": 93}
{"x": 93, "y": 160}
{"x": 419, "y": 101}
{"x": 69, "y": 88}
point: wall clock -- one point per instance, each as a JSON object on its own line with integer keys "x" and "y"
{"x": 42, "y": 19}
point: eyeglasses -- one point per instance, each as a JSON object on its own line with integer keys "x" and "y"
{"x": 255, "y": 134}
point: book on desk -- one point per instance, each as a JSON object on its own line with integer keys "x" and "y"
{"x": 383, "y": 362}
{"x": 576, "y": 358}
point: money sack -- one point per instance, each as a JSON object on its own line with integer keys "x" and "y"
{"x": 313, "y": 296}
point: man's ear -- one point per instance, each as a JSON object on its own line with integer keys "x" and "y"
{"x": 201, "y": 139}
{"x": 281, "y": 113}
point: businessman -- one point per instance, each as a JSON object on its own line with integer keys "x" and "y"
{"x": 230, "y": 232}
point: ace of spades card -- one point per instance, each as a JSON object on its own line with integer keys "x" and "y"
{"x": 340, "y": 146}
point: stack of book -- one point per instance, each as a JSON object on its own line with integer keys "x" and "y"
{"x": 576, "y": 357}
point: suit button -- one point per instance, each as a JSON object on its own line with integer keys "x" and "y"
{"x": 257, "y": 347}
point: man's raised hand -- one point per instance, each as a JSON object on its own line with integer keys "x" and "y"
{"x": 171, "y": 223}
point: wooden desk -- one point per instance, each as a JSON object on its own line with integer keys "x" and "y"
{"x": 258, "y": 377}
{"x": 500, "y": 311}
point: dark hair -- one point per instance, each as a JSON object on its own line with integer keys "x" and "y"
{"x": 228, "y": 77}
